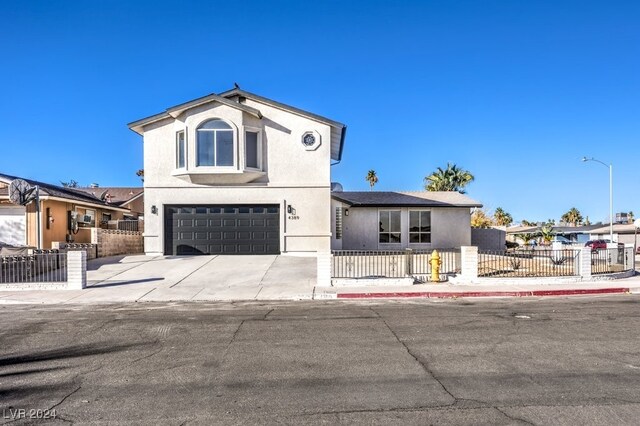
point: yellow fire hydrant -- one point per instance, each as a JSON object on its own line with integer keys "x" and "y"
{"x": 435, "y": 266}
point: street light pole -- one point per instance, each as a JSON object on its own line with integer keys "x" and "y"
{"x": 610, "y": 166}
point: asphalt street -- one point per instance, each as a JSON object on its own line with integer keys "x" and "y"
{"x": 509, "y": 361}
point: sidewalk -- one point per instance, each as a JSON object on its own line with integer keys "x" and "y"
{"x": 130, "y": 279}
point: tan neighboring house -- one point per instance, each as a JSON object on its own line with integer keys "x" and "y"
{"x": 18, "y": 224}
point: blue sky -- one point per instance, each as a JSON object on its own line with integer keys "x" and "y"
{"x": 515, "y": 92}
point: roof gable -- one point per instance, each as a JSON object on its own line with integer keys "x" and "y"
{"x": 338, "y": 129}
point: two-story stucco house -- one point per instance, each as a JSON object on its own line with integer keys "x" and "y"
{"x": 237, "y": 173}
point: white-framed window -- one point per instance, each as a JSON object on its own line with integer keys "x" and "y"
{"x": 215, "y": 145}
{"x": 181, "y": 150}
{"x": 390, "y": 229}
{"x": 253, "y": 148}
{"x": 419, "y": 226}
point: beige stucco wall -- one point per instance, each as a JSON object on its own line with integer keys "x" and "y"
{"x": 294, "y": 176}
{"x": 450, "y": 228}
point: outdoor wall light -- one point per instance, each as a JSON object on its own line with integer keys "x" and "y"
{"x": 289, "y": 209}
{"x": 346, "y": 212}
{"x": 154, "y": 210}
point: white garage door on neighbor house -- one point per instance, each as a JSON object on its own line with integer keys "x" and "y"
{"x": 12, "y": 225}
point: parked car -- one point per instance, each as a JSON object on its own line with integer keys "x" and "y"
{"x": 600, "y": 244}
{"x": 596, "y": 244}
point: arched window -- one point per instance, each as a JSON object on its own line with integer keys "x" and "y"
{"x": 214, "y": 144}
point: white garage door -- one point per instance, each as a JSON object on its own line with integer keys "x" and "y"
{"x": 12, "y": 225}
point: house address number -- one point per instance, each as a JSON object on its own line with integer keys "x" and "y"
{"x": 292, "y": 217}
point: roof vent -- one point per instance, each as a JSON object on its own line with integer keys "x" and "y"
{"x": 336, "y": 187}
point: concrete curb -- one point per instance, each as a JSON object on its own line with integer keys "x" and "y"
{"x": 460, "y": 294}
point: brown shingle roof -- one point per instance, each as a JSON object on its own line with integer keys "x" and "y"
{"x": 116, "y": 195}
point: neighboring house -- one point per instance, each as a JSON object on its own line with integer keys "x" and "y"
{"x": 130, "y": 198}
{"x": 576, "y": 234}
{"x": 18, "y": 224}
{"x": 622, "y": 233}
{"x": 237, "y": 173}
{"x": 376, "y": 220}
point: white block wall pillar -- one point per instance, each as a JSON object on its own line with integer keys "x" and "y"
{"x": 585, "y": 262}
{"x": 76, "y": 270}
{"x": 325, "y": 259}
{"x": 469, "y": 261}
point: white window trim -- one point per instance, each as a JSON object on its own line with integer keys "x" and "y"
{"x": 184, "y": 166}
{"x": 380, "y": 210}
{"x": 409, "y": 227}
{"x": 244, "y": 138}
{"x": 234, "y": 131}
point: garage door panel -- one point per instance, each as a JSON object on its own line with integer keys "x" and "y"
{"x": 243, "y": 229}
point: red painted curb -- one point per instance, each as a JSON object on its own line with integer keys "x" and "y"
{"x": 452, "y": 295}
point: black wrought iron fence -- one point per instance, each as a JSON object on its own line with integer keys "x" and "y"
{"x": 392, "y": 263}
{"x": 607, "y": 261}
{"x": 39, "y": 267}
{"x": 528, "y": 263}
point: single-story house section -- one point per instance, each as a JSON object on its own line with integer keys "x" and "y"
{"x": 237, "y": 173}
{"x": 377, "y": 220}
{"x": 18, "y": 224}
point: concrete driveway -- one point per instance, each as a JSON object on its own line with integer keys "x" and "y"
{"x": 205, "y": 277}
{"x": 185, "y": 278}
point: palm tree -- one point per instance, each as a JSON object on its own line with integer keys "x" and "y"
{"x": 573, "y": 216}
{"x": 372, "y": 178}
{"x": 630, "y": 217}
{"x": 450, "y": 179}
{"x": 526, "y": 237}
{"x": 140, "y": 174}
{"x": 502, "y": 218}
{"x": 547, "y": 233}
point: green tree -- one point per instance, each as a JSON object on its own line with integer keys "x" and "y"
{"x": 630, "y": 217}
{"x": 71, "y": 184}
{"x": 450, "y": 179}
{"x": 372, "y": 178}
{"x": 573, "y": 216}
{"x": 525, "y": 222}
{"x": 502, "y": 218}
{"x": 480, "y": 219}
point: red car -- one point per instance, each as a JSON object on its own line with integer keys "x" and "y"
{"x": 596, "y": 244}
